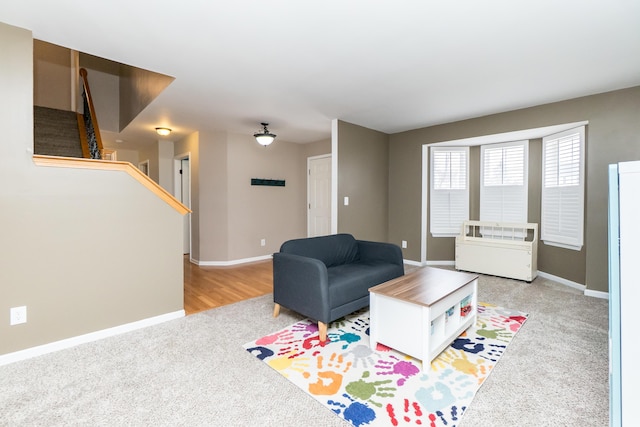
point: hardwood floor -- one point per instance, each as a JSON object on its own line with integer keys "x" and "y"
{"x": 210, "y": 287}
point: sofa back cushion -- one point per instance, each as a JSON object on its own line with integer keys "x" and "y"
{"x": 336, "y": 249}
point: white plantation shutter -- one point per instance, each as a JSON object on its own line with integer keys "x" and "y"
{"x": 503, "y": 182}
{"x": 449, "y": 195}
{"x": 563, "y": 189}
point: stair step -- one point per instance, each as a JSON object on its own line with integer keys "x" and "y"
{"x": 55, "y": 132}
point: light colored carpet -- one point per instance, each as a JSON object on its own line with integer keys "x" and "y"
{"x": 378, "y": 386}
{"x": 194, "y": 371}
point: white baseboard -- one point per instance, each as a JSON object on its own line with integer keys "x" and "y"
{"x": 562, "y": 281}
{"x": 596, "y": 294}
{"x": 86, "y": 338}
{"x": 447, "y": 263}
{"x": 571, "y": 284}
{"x": 232, "y": 262}
{"x": 575, "y": 285}
{"x": 426, "y": 263}
{"x": 581, "y": 287}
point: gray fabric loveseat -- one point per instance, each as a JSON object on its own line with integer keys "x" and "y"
{"x": 325, "y": 278}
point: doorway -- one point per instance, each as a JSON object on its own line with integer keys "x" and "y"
{"x": 182, "y": 192}
{"x": 144, "y": 167}
{"x": 319, "y": 195}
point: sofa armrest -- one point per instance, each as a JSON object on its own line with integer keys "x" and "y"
{"x": 380, "y": 251}
{"x": 301, "y": 284}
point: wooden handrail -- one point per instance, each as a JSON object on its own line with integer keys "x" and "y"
{"x": 92, "y": 110}
{"x": 77, "y": 163}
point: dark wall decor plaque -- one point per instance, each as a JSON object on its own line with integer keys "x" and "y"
{"x": 268, "y": 182}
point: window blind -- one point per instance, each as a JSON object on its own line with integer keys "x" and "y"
{"x": 504, "y": 183}
{"x": 563, "y": 189}
{"x": 449, "y": 195}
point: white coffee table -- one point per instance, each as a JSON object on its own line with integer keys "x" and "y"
{"x": 422, "y": 312}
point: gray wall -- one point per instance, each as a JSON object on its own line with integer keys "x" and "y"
{"x": 84, "y": 250}
{"x": 105, "y": 94}
{"x": 230, "y": 216}
{"x": 137, "y": 89}
{"x": 363, "y": 176}
{"x": 613, "y": 135}
{"x": 52, "y": 76}
{"x": 317, "y": 148}
{"x": 150, "y": 152}
{"x": 275, "y": 214}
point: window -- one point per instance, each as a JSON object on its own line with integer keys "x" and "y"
{"x": 449, "y": 195}
{"x": 563, "y": 189}
{"x": 503, "y": 182}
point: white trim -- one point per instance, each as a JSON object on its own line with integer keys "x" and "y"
{"x": 596, "y": 294}
{"x": 86, "y": 338}
{"x": 445, "y": 234}
{"x": 319, "y": 156}
{"x": 145, "y": 162}
{"x": 424, "y": 204}
{"x": 534, "y": 133}
{"x": 414, "y": 263}
{"x": 448, "y": 263}
{"x": 309, "y": 160}
{"x": 561, "y": 245}
{"x": 562, "y": 281}
{"x": 231, "y": 262}
{"x": 334, "y": 176}
{"x": 177, "y": 188}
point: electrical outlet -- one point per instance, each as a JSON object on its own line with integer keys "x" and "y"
{"x": 18, "y": 315}
{"x": 404, "y": 244}
{"x": 263, "y": 242}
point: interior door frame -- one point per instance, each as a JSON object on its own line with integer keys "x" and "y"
{"x": 330, "y": 197}
{"x": 144, "y": 167}
{"x": 177, "y": 189}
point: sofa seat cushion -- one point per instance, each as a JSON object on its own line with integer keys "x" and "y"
{"x": 349, "y": 282}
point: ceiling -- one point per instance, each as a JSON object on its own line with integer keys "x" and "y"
{"x": 388, "y": 66}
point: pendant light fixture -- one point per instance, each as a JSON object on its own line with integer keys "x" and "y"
{"x": 265, "y": 137}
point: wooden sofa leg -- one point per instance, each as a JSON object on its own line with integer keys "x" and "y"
{"x": 276, "y": 310}
{"x": 322, "y": 328}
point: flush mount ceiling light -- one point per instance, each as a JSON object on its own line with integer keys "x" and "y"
{"x": 163, "y": 131}
{"x": 265, "y": 137}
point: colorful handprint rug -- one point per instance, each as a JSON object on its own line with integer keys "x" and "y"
{"x": 382, "y": 387}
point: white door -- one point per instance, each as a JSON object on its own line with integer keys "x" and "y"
{"x": 319, "y": 196}
{"x": 182, "y": 192}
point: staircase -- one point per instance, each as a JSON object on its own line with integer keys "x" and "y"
{"x": 55, "y": 133}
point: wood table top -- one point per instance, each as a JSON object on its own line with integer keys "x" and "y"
{"x": 424, "y": 286}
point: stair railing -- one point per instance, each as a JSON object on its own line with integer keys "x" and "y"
{"x": 92, "y": 147}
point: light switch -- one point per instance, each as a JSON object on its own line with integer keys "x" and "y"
{"x": 346, "y": 200}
